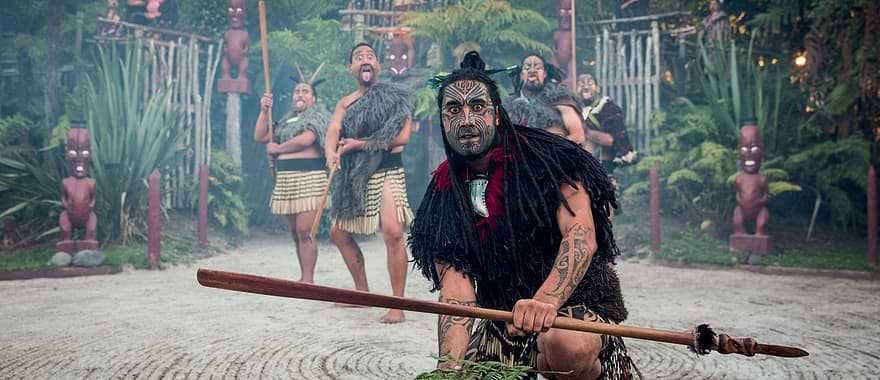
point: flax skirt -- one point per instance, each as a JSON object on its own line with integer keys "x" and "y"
{"x": 299, "y": 185}
{"x": 368, "y": 223}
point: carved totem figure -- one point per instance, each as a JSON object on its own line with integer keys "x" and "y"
{"x": 78, "y": 193}
{"x": 399, "y": 55}
{"x": 237, "y": 43}
{"x": 562, "y": 36}
{"x": 751, "y": 194}
{"x": 716, "y": 28}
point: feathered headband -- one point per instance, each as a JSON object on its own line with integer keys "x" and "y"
{"x": 311, "y": 80}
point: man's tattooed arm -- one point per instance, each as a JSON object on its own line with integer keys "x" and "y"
{"x": 453, "y": 333}
{"x": 575, "y": 251}
{"x": 451, "y": 328}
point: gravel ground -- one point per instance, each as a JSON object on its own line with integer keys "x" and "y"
{"x": 162, "y": 324}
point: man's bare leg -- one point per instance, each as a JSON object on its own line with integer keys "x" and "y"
{"x": 564, "y": 351}
{"x": 351, "y": 253}
{"x": 392, "y": 233}
{"x": 306, "y": 248}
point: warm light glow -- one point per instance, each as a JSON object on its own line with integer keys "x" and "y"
{"x": 592, "y": 63}
{"x": 667, "y": 76}
{"x": 800, "y": 60}
{"x": 761, "y": 61}
{"x": 808, "y": 109}
{"x": 774, "y": 61}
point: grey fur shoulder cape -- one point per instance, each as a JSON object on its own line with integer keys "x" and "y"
{"x": 314, "y": 118}
{"x": 376, "y": 117}
{"x": 540, "y": 112}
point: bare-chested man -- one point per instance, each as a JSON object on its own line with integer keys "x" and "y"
{"x": 366, "y": 136}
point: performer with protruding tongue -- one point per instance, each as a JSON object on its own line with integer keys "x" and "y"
{"x": 365, "y": 138}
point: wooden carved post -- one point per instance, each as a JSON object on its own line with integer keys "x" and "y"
{"x": 872, "y": 216}
{"x": 203, "y": 206}
{"x": 154, "y": 238}
{"x": 655, "y": 208}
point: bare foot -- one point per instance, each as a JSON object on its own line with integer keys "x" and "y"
{"x": 393, "y": 316}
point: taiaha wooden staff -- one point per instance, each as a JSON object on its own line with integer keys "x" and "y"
{"x": 314, "y": 231}
{"x": 264, "y": 46}
{"x": 701, "y": 340}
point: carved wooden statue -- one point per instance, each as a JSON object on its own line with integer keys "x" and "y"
{"x": 562, "y": 36}
{"x": 237, "y": 43}
{"x": 78, "y": 192}
{"x": 751, "y": 194}
{"x": 399, "y": 55}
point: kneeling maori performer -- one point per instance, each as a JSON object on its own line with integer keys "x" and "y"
{"x": 301, "y": 174}
{"x": 366, "y": 136}
{"x": 517, "y": 218}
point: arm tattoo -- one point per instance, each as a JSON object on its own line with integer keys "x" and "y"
{"x": 446, "y": 322}
{"x": 575, "y": 254}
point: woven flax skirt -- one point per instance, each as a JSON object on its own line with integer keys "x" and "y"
{"x": 368, "y": 223}
{"x": 297, "y": 190}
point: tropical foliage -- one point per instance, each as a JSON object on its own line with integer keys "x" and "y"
{"x": 130, "y": 138}
{"x": 489, "y": 24}
{"x": 225, "y": 206}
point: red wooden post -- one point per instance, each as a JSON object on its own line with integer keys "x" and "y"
{"x": 203, "y": 205}
{"x": 154, "y": 233}
{"x": 655, "y": 208}
{"x": 872, "y": 216}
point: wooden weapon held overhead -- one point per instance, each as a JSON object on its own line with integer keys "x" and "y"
{"x": 264, "y": 46}
{"x": 701, "y": 340}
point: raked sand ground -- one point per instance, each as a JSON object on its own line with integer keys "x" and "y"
{"x": 162, "y": 324}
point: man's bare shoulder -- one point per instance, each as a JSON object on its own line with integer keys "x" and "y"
{"x": 346, "y": 101}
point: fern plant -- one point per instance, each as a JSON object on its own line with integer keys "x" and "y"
{"x": 471, "y": 370}
{"x": 225, "y": 206}
{"x": 492, "y": 24}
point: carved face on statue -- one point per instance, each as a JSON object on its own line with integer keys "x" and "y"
{"x": 751, "y": 148}
{"x": 398, "y": 56}
{"x": 236, "y": 13}
{"x": 469, "y": 118}
{"x": 563, "y": 14}
{"x": 303, "y": 97}
{"x": 78, "y": 152}
{"x": 587, "y": 87}
{"x": 364, "y": 65}
{"x": 533, "y": 73}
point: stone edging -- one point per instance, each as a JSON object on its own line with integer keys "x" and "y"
{"x": 58, "y": 272}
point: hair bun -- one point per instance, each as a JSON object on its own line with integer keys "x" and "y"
{"x": 472, "y": 60}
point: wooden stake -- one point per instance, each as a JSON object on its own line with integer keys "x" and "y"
{"x": 573, "y": 65}
{"x": 317, "y": 222}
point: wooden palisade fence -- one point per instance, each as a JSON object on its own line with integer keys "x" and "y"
{"x": 628, "y": 70}
{"x": 189, "y": 63}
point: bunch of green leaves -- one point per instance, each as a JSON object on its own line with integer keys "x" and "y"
{"x": 225, "y": 205}
{"x": 131, "y": 137}
{"x": 30, "y": 176}
{"x": 836, "y": 172}
{"x": 471, "y": 370}
{"x": 206, "y": 17}
{"x": 496, "y": 26}
{"x": 737, "y": 88}
{"x": 310, "y": 44}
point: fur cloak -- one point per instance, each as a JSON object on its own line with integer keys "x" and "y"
{"x": 540, "y": 112}
{"x": 314, "y": 118}
{"x": 377, "y": 117}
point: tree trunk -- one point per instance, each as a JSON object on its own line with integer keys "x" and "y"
{"x": 52, "y": 84}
